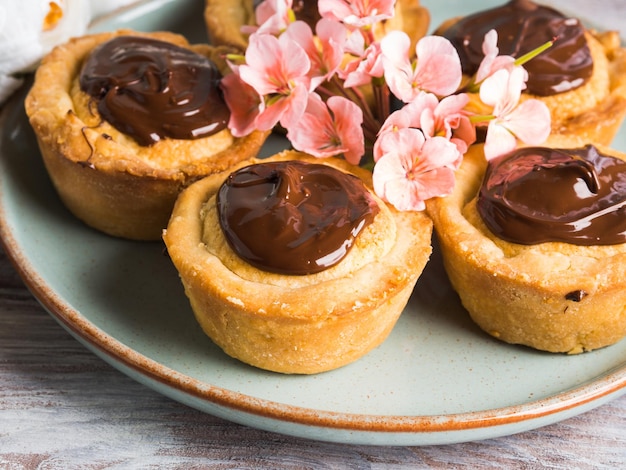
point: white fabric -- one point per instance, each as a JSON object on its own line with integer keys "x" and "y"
{"x": 23, "y": 42}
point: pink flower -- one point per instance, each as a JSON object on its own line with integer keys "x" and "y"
{"x": 310, "y": 79}
{"x": 434, "y": 118}
{"x": 492, "y": 62}
{"x": 272, "y": 17}
{"x": 437, "y": 68}
{"x": 447, "y": 119}
{"x": 336, "y": 129}
{"x": 360, "y": 71}
{"x": 356, "y": 13}
{"x": 415, "y": 169}
{"x": 325, "y": 52}
{"x": 277, "y": 69}
{"x": 355, "y": 43}
{"x": 528, "y": 121}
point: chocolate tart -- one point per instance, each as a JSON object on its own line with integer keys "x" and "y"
{"x": 225, "y": 18}
{"x": 581, "y": 78}
{"x": 105, "y": 176}
{"x": 553, "y": 296}
{"x": 296, "y": 323}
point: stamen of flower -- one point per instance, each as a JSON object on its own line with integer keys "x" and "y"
{"x": 291, "y": 15}
{"x": 271, "y": 99}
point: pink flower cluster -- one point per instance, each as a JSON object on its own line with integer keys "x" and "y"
{"x": 330, "y": 90}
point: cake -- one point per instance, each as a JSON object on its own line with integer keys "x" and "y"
{"x": 278, "y": 279}
{"x": 581, "y": 77}
{"x": 117, "y": 149}
{"x": 534, "y": 242}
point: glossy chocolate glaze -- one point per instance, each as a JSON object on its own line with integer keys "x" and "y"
{"x": 151, "y": 89}
{"x": 522, "y": 26}
{"x": 537, "y": 194}
{"x": 293, "y": 217}
{"x": 307, "y": 11}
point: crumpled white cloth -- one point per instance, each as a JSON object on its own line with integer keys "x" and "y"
{"x": 23, "y": 41}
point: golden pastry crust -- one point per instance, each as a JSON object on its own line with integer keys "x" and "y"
{"x": 225, "y": 18}
{"x": 297, "y": 324}
{"x": 103, "y": 176}
{"x": 519, "y": 293}
{"x": 595, "y": 111}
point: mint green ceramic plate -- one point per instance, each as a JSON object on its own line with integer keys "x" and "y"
{"x": 437, "y": 379}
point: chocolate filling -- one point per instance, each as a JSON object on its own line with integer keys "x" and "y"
{"x": 538, "y": 194}
{"x": 150, "y": 89}
{"x": 293, "y": 217}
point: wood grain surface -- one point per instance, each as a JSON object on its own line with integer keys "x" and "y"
{"x": 61, "y": 407}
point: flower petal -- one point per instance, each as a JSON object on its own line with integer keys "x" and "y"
{"x": 316, "y": 116}
{"x": 348, "y": 118}
{"x": 494, "y": 87}
{"x": 498, "y": 141}
{"x": 438, "y": 65}
{"x": 530, "y": 122}
{"x": 244, "y": 103}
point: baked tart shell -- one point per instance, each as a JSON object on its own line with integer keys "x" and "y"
{"x": 527, "y": 294}
{"x": 595, "y": 111}
{"x": 105, "y": 178}
{"x": 297, "y": 324}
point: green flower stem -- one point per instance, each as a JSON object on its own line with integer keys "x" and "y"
{"x": 381, "y": 95}
{"x": 367, "y": 163}
{"x": 478, "y": 118}
{"x": 236, "y": 58}
{"x": 473, "y": 87}
{"x": 368, "y": 35}
{"x": 534, "y": 53}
